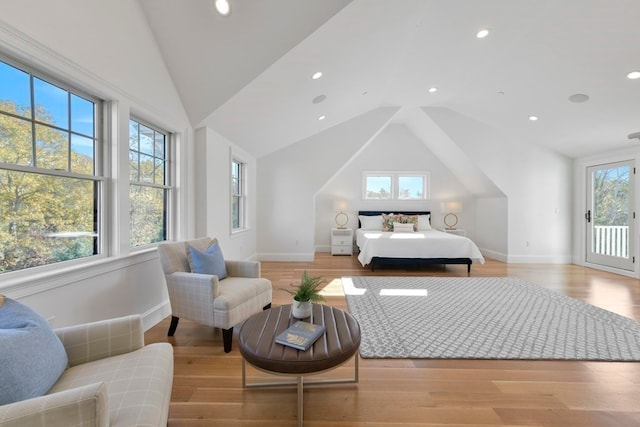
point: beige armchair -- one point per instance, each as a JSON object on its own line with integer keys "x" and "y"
{"x": 204, "y": 298}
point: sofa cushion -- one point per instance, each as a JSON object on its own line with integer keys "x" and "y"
{"x": 138, "y": 384}
{"x": 32, "y": 357}
{"x": 209, "y": 261}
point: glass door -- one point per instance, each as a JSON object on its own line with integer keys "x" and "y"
{"x": 609, "y": 215}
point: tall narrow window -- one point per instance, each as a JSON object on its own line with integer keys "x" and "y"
{"x": 149, "y": 189}
{"x": 49, "y": 170}
{"x": 238, "y": 196}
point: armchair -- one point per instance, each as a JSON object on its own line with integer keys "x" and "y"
{"x": 206, "y": 299}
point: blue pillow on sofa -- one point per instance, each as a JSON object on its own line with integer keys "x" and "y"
{"x": 209, "y": 261}
{"x": 32, "y": 357}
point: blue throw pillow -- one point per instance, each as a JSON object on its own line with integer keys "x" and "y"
{"x": 32, "y": 357}
{"x": 210, "y": 261}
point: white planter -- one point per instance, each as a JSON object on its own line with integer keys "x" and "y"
{"x": 301, "y": 310}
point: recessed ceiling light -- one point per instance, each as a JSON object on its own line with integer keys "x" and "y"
{"x": 483, "y": 33}
{"x": 634, "y": 75}
{"x": 223, "y": 7}
{"x": 316, "y": 75}
{"x": 533, "y": 118}
{"x": 322, "y": 117}
{"x": 433, "y": 89}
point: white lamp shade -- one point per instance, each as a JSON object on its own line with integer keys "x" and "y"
{"x": 451, "y": 207}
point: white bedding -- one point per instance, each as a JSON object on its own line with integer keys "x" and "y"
{"x": 422, "y": 244}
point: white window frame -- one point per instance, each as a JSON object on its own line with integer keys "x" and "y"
{"x": 241, "y": 195}
{"x": 395, "y": 177}
{"x": 167, "y": 186}
{"x": 98, "y": 177}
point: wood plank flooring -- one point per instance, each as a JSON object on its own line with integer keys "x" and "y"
{"x": 208, "y": 391}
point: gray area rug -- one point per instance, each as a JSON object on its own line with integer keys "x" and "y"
{"x": 483, "y": 318}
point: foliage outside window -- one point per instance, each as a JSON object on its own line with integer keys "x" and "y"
{"x": 238, "y": 196}
{"x": 148, "y": 189}
{"x": 395, "y": 186}
{"x": 49, "y": 189}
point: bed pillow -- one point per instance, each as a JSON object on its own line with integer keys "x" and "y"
{"x": 32, "y": 357}
{"x": 373, "y": 223}
{"x": 209, "y": 261}
{"x": 424, "y": 222}
{"x": 388, "y": 220}
{"x": 411, "y": 219}
{"x": 403, "y": 227}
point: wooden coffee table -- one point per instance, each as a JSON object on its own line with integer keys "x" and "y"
{"x": 257, "y": 345}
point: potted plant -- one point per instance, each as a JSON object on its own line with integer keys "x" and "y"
{"x": 304, "y": 294}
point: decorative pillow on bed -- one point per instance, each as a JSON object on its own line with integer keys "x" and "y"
{"x": 403, "y": 227}
{"x": 411, "y": 219}
{"x": 373, "y": 223}
{"x": 424, "y": 222}
{"x": 388, "y": 220}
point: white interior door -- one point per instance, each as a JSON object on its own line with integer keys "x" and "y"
{"x": 610, "y": 216}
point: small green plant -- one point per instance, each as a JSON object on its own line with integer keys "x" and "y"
{"x": 308, "y": 289}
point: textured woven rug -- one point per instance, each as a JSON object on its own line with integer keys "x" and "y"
{"x": 483, "y": 318}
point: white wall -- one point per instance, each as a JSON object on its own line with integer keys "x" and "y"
{"x": 537, "y": 182}
{"x": 395, "y": 149}
{"x": 289, "y": 179}
{"x": 213, "y": 188}
{"x": 105, "y": 48}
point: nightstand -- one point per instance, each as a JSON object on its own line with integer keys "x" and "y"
{"x": 342, "y": 241}
{"x": 456, "y": 231}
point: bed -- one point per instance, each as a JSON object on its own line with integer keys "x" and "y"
{"x": 408, "y": 246}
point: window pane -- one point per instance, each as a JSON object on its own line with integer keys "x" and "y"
{"x": 146, "y": 140}
{"x": 160, "y": 143}
{"x": 133, "y": 135}
{"x": 52, "y": 148}
{"x": 45, "y": 219}
{"x": 146, "y": 168}
{"x": 378, "y": 187}
{"x": 82, "y": 116}
{"x": 147, "y": 214}
{"x": 15, "y": 91}
{"x": 15, "y": 141}
{"x": 82, "y": 155}
{"x": 159, "y": 172}
{"x": 411, "y": 187}
{"x": 52, "y": 103}
{"x": 133, "y": 166}
{"x": 235, "y": 212}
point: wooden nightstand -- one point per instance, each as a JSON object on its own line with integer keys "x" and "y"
{"x": 342, "y": 241}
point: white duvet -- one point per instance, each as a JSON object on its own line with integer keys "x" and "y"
{"x": 422, "y": 244}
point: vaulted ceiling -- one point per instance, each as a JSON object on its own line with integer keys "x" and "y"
{"x": 248, "y": 75}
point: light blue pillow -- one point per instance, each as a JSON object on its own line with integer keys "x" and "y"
{"x": 32, "y": 357}
{"x": 210, "y": 261}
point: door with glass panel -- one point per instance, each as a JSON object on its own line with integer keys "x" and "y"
{"x": 609, "y": 215}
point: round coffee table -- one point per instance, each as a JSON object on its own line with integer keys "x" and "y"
{"x": 256, "y": 342}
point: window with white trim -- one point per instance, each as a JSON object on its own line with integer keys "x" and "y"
{"x": 50, "y": 170}
{"x": 149, "y": 189}
{"x": 395, "y": 185}
{"x": 238, "y": 195}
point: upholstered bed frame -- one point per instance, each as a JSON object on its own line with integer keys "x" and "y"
{"x": 381, "y": 261}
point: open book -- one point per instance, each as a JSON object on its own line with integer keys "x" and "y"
{"x": 300, "y": 335}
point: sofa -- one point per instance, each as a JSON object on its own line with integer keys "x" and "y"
{"x": 110, "y": 378}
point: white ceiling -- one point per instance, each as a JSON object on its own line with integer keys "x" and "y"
{"x": 248, "y": 75}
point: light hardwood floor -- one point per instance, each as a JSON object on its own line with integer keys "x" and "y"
{"x": 207, "y": 387}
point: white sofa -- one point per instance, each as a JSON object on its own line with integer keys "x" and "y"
{"x": 113, "y": 379}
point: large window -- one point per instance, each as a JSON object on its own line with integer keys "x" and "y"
{"x": 49, "y": 170}
{"x": 148, "y": 190}
{"x": 238, "y": 196}
{"x": 395, "y": 185}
